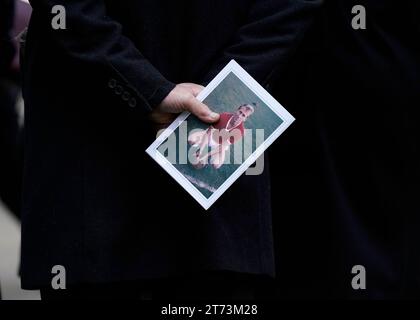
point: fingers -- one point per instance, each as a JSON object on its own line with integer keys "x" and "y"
{"x": 201, "y": 111}
{"x": 183, "y": 97}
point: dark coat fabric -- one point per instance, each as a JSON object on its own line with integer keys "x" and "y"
{"x": 352, "y": 182}
{"x": 93, "y": 200}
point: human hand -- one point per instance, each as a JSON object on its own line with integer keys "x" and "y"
{"x": 183, "y": 98}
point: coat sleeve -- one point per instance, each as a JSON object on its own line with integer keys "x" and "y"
{"x": 272, "y": 31}
{"x": 94, "y": 38}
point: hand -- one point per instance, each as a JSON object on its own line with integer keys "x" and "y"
{"x": 183, "y": 98}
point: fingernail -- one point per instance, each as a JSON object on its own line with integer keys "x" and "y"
{"x": 214, "y": 115}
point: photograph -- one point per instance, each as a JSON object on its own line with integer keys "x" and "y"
{"x": 206, "y": 159}
{"x": 149, "y": 152}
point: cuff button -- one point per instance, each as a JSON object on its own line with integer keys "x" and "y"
{"x": 132, "y": 103}
{"x": 126, "y": 96}
{"x": 118, "y": 90}
{"x": 112, "y": 83}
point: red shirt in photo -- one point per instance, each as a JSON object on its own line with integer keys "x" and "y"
{"x": 237, "y": 133}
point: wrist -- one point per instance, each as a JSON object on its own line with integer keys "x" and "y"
{"x": 160, "y": 94}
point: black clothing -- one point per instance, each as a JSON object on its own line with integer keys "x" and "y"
{"x": 93, "y": 200}
{"x": 352, "y": 158}
{"x": 207, "y": 286}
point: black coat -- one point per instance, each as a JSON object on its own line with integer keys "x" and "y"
{"x": 353, "y": 158}
{"x": 93, "y": 200}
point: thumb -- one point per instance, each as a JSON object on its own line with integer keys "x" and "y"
{"x": 201, "y": 111}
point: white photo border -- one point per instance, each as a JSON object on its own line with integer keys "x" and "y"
{"x": 254, "y": 86}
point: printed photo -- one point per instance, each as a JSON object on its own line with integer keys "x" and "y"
{"x": 206, "y": 159}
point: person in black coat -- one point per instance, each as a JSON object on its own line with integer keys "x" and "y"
{"x": 93, "y": 200}
{"x": 353, "y": 156}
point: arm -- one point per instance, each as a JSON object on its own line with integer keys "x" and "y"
{"x": 96, "y": 40}
{"x": 270, "y": 35}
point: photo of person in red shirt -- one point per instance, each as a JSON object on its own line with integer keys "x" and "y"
{"x": 219, "y": 137}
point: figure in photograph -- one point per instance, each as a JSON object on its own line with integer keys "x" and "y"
{"x": 219, "y": 137}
